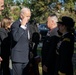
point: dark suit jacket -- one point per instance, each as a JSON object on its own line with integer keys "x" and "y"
{"x": 20, "y": 43}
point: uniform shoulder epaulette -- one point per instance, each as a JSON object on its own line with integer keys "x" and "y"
{"x": 66, "y": 39}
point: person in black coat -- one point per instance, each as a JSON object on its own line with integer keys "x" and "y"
{"x": 65, "y": 47}
{"x": 5, "y": 44}
{"x": 35, "y": 36}
{"x": 1, "y": 8}
{"x": 33, "y": 65}
{"x": 49, "y": 46}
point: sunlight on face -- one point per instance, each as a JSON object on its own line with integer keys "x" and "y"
{"x": 27, "y": 14}
{"x": 49, "y": 22}
{"x": 1, "y": 5}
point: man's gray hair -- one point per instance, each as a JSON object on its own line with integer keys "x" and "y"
{"x": 54, "y": 17}
{"x": 24, "y": 9}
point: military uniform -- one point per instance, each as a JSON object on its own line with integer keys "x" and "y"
{"x": 64, "y": 52}
{"x": 49, "y": 51}
{"x": 45, "y": 50}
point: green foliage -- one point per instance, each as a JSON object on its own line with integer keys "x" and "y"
{"x": 40, "y": 9}
{"x": 69, "y": 10}
{"x": 15, "y": 10}
{"x": 69, "y": 4}
{"x": 6, "y": 11}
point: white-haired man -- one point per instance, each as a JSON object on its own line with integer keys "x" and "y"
{"x": 20, "y": 42}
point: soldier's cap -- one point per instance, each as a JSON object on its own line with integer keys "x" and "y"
{"x": 67, "y": 21}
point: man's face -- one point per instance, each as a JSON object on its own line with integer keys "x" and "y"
{"x": 26, "y": 14}
{"x": 1, "y": 5}
{"x": 49, "y": 22}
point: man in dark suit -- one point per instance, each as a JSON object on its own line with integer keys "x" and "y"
{"x": 1, "y": 8}
{"x": 20, "y": 42}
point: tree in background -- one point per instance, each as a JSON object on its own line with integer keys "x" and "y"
{"x": 40, "y": 8}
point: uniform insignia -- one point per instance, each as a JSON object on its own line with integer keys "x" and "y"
{"x": 66, "y": 39}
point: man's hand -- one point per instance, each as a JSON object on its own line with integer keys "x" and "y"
{"x": 24, "y": 19}
{"x": 60, "y": 73}
{"x": 44, "y": 68}
{"x": 0, "y": 59}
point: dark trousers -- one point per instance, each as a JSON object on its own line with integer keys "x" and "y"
{"x": 33, "y": 69}
{"x": 19, "y": 68}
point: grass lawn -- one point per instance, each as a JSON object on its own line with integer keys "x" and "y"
{"x": 40, "y": 66}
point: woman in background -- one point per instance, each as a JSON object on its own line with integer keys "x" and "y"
{"x": 65, "y": 47}
{"x": 5, "y": 44}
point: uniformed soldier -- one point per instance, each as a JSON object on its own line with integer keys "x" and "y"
{"x": 65, "y": 47}
{"x": 49, "y": 46}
